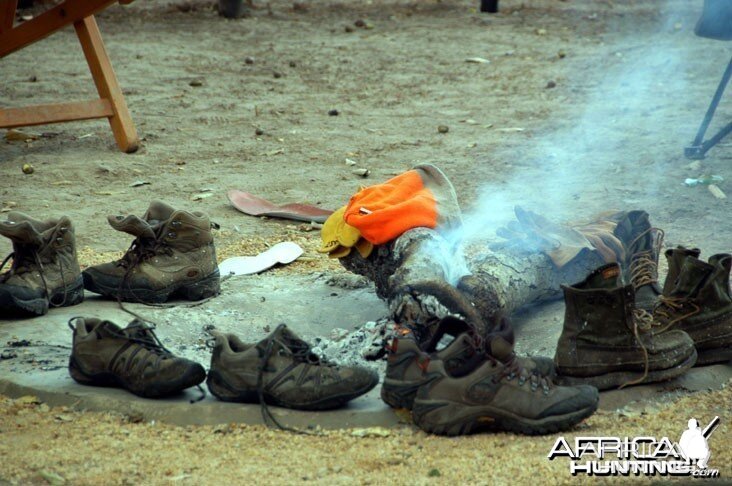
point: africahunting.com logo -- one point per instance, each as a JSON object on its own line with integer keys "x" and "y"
{"x": 635, "y": 456}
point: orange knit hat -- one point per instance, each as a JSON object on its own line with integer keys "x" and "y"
{"x": 421, "y": 197}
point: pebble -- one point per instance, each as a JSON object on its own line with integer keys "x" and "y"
{"x": 348, "y": 28}
{"x": 277, "y": 74}
{"x": 333, "y": 112}
{"x": 196, "y": 83}
{"x": 443, "y": 129}
{"x": 28, "y": 169}
{"x": 293, "y": 64}
{"x": 259, "y": 131}
{"x": 362, "y": 172}
{"x": 248, "y": 60}
{"x": 551, "y": 84}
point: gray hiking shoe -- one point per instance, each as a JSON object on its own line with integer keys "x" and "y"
{"x": 103, "y": 354}
{"x": 499, "y": 394}
{"x": 407, "y": 360}
{"x": 45, "y": 272}
{"x": 281, "y": 370}
{"x": 173, "y": 254}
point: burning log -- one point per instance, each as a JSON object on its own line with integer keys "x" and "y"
{"x": 424, "y": 277}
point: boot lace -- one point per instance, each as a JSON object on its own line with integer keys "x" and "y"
{"x": 512, "y": 369}
{"x": 643, "y": 264}
{"x": 301, "y": 352}
{"x": 644, "y": 322}
{"x": 673, "y": 310}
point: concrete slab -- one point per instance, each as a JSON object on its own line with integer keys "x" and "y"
{"x": 250, "y": 306}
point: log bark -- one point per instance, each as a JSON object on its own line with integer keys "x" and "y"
{"x": 421, "y": 278}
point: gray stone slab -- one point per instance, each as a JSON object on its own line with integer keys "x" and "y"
{"x": 250, "y": 306}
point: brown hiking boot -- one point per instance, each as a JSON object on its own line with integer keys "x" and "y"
{"x": 642, "y": 245}
{"x": 173, "y": 255}
{"x": 499, "y": 394}
{"x": 607, "y": 342}
{"x": 281, "y": 370}
{"x": 699, "y": 303}
{"x": 407, "y": 360}
{"x": 103, "y": 354}
{"x": 45, "y": 272}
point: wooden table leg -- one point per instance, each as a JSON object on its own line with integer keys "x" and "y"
{"x": 106, "y": 82}
{"x": 7, "y": 14}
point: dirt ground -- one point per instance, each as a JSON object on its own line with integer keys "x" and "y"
{"x": 581, "y": 106}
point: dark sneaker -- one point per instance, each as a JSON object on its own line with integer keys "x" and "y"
{"x": 500, "y": 394}
{"x": 407, "y": 361}
{"x": 45, "y": 272}
{"x": 698, "y": 302}
{"x": 607, "y": 342}
{"x": 173, "y": 255}
{"x": 281, "y": 370}
{"x": 103, "y": 354}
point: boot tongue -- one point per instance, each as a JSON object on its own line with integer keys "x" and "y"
{"x": 108, "y": 329}
{"x": 691, "y": 278}
{"x": 284, "y": 337}
{"x": 158, "y": 212}
{"x": 675, "y": 258}
{"x": 132, "y": 225}
{"x": 500, "y": 349}
{"x": 21, "y": 228}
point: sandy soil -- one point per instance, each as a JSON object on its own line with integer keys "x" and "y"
{"x": 583, "y": 106}
{"x": 42, "y": 445}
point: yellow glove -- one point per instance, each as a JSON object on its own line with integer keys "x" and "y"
{"x": 336, "y": 232}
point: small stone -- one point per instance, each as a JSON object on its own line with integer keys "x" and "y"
{"x": 277, "y": 74}
{"x": 371, "y": 432}
{"x": 333, "y": 112}
{"x": 248, "y": 60}
{"x": 561, "y": 54}
{"x": 259, "y": 131}
{"x": 196, "y": 82}
{"x": 301, "y": 7}
{"x": 28, "y": 169}
{"x": 551, "y": 84}
{"x": 443, "y": 129}
{"x": 348, "y": 28}
{"x": 540, "y": 31}
{"x": 362, "y": 172}
{"x": 360, "y": 23}
{"x": 350, "y": 162}
{"x": 33, "y": 78}
{"x": 434, "y": 473}
{"x": 44, "y": 408}
{"x": 293, "y": 64}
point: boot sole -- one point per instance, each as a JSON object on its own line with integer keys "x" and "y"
{"x": 619, "y": 378}
{"x": 713, "y": 356}
{"x": 194, "y": 376}
{"x": 462, "y": 419}
{"x": 73, "y": 294}
{"x": 218, "y": 386}
{"x": 209, "y": 286}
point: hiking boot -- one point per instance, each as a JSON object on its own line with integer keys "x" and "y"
{"x": 407, "y": 361}
{"x": 173, "y": 255}
{"x": 499, "y": 394}
{"x": 675, "y": 258}
{"x": 281, "y": 370}
{"x": 45, "y": 272}
{"x": 103, "y": 354}
{"x": 642, "y": 244}
{"x": 607, "y": 342}
{"x": 699, "y": 303}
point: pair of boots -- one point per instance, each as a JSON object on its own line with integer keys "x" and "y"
{"x": 472, "y": 383}
{"x": 608, "y": 341}
{"x": 173, "y": 254}
{"x": 279, "y": 370}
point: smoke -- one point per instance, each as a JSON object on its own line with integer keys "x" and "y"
{"x": 604, "y": 155}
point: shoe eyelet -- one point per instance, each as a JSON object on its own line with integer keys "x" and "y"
{"x": 175, "y": 223}
{"x": 172, "y": 235}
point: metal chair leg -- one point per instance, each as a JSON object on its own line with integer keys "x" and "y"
{"x": 699, "y": 147}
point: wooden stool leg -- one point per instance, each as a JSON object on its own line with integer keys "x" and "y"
{"x": 106, "y": 82}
